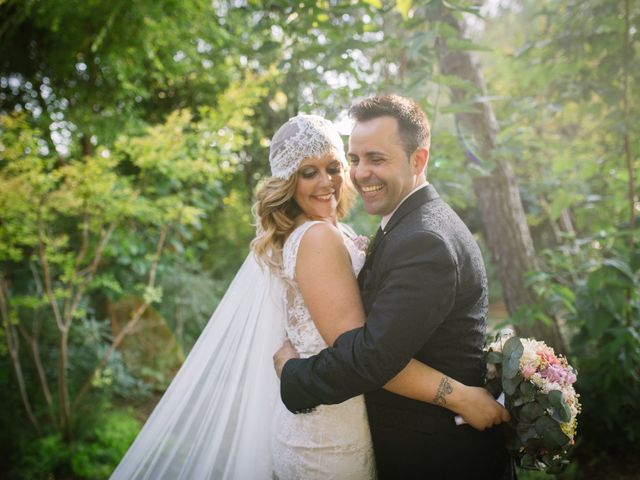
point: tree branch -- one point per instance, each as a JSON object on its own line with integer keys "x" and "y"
{"x": 89, "y": 273}
{"x": 13, "y": 344}
{"x": 46, "y": 272}
{"x": 133, "y": 320}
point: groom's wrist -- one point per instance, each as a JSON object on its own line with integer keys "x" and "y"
{"x": 288, "y": 389}
{"x": 450, "y": 394}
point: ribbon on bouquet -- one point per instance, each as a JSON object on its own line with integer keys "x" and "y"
{"x": 461, "y": 421}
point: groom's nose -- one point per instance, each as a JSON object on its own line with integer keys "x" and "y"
{"x": 359, "y": 171}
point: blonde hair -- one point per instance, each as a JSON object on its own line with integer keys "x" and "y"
{"x": 276, "y": 210}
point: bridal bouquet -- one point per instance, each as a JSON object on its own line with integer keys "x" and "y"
{"x": 540, "y": 397}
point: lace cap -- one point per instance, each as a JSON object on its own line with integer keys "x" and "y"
{"x": 303, "y": 136}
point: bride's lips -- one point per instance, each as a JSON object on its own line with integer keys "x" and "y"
{"x": 324, "y": 198}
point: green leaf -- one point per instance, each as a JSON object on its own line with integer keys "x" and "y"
{"x": 554, "y": 438}
{"x": 494, "y": 357}
{"x": 526, "y": 432}
{"x": 619, "y": 265}
{"x": 374, "y": 3}
{"x": 152, "y": 294}
{"x": 528, "y": 392}
{"x": 510, "y": 385}
{"x": 543, "y": 400}
{"x": 561, "y": 201}
{"x": 403, "y": 6}
{"x": 511, "y": 352}
{"x": 527, "y": 461}
{"x": 531, "y": 412}
{"x": 543, "y": 423}
{"x": 560, "y": 408}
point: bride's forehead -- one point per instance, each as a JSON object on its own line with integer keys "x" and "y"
{"x": 320, "y": 162}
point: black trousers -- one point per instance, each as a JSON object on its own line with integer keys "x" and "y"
{"x": 447, "y": 453}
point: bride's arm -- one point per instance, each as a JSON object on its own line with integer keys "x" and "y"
{"x": 330, "y": 291}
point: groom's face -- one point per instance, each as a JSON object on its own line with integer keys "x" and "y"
{"x": 381, "y": 171}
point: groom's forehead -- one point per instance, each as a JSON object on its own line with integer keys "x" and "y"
{"x": 370, "y": 141}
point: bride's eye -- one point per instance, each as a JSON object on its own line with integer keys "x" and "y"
{"x": 310, "y": 173}
{"x": 334, "y": 169}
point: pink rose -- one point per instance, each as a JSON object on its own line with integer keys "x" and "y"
{"x": 547, "y": 356}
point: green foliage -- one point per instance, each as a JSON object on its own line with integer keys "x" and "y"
{"x": 93, "y": 456}
{"x": 607, "y": 352}
{"x": 43, "y": 456}
{"x": 563, "y": 98}
{"x": 70, "y": 227}
{"x": 96, "y": 456}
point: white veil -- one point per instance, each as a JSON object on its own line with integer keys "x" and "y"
{"x": 214, "y": 420}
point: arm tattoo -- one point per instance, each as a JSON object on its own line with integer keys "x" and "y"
{"x": 444, "y": 389}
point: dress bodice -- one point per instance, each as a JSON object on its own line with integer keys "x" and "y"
{"x": 300, "y": 328}
{"x": 333, "y": 442}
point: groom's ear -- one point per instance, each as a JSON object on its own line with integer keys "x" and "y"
{"x": 419, "y": 160}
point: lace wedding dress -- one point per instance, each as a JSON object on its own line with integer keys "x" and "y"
{"x": 333, "y": 441}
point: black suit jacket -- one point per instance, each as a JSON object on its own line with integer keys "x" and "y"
{"x": 424, "y": 290}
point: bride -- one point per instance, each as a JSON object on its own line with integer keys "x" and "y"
{"x": 221, "y": 417}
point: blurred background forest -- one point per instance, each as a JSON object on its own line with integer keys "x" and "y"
{"x": 134, "y": 133}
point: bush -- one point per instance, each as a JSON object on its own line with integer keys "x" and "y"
{"x": 607, "y": 354}
{"x": 92, "y": 456}
{"x": 44, "y": 456}
{"x": 98, "y": 455}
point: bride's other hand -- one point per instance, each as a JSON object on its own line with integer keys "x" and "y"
{"x": 479, "y": 409}
{"x": 284, "y": 354}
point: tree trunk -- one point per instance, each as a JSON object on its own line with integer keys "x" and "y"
{"x": 509, "y": 241}
{"x": 506, "y": 229}
{"x": 13, "y": 345}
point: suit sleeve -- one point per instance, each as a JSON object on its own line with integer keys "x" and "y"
{"x": 418, "y": 285}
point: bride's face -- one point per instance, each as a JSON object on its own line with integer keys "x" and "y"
{"x": 319, "y": 186}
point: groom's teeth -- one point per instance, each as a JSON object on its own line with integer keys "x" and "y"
{"x": 373, "y": 188}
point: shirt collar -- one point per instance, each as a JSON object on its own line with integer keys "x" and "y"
{"x": 386, "y": 218}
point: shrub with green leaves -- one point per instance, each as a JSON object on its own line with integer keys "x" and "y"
{"x": 606, "y": 349}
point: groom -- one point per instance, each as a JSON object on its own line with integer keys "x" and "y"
{"x": 424, "y": 290}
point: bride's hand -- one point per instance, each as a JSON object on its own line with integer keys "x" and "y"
{"x": 284, "y": 354}
{"x": 479, "y": 409}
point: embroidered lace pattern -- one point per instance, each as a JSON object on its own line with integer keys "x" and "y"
{"x": 332, "y": 442}
{"x": 303, "y": 136}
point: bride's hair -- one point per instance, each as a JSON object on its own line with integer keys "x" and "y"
{"x": 275, "y": 211}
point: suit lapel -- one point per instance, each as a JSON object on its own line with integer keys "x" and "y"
{"x": 418, "y": 198}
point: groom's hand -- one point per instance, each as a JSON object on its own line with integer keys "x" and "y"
{"x": 283, "y": 355}
{"x": 480, "y": 409}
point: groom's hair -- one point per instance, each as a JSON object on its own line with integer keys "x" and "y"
{"x": 413, "y": 125}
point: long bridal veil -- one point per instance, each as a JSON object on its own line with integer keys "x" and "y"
{"x": 214, "y": 420}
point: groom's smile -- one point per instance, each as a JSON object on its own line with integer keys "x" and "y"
{"x": 373, "y": 188}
